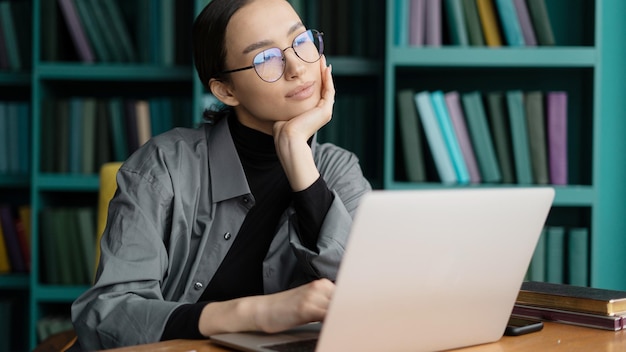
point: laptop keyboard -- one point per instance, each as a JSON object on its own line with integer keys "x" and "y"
{"x": 294, "y": 346}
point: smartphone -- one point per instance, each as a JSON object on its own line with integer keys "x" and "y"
{"x": 520, "y": 326}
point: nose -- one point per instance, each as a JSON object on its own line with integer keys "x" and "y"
{"x": 294, "y": 66}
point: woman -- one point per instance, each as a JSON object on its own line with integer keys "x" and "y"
{"x": 241, "y": 224}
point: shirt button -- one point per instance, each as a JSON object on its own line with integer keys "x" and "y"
{"x": 246, "y": 200}
{"x": 227, "y": 236}
{"x": 198, "y": 285}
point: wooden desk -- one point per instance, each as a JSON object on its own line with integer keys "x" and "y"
{"x": 554, "y": 336}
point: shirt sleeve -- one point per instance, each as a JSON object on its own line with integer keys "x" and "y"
{"x": 183, "y": 323}
{"x": 311, "y": 206}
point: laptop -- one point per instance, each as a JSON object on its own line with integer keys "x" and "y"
{"x": 425, "y": 270}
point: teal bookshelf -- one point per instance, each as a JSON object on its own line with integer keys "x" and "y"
{"x": 586, "y": 63}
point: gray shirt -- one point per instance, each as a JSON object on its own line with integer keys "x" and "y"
{"x": 180, "y": 202}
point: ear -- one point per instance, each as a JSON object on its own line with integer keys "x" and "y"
{"x": 223, "y": 92}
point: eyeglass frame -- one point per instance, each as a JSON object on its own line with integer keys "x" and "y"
{"x": 315, "y": 32}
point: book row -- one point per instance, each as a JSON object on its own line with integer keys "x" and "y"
{"x": 561, "y": 256}
{"x": 491, "y": 23}
{"x": 68, "y": 242}
{"x": 79, "y": 134}
{"x": 510, "y": 137}
{"x": 14, "y": 138}
{"x": 117, "y": 31}
{"x": 15, "y": 35}
{"x": 350, "y": 26}
{"x": 15, "y": 235}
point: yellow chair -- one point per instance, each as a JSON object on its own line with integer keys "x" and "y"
{"x": 108, "y": 185}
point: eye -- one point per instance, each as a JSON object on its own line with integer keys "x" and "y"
{"x": 303, "y": 38}
{"x": 268, "y": 55}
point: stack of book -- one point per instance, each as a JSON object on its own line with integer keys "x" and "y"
{"x": 576, "y": 305}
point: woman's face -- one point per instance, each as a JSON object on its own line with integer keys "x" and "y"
{"x": 260, "y": 25}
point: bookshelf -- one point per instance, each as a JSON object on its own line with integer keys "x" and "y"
{"x": 55, "y": 70}
{"x": 584, "y": 62}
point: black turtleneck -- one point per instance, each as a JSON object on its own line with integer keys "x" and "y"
{"x": 240, "y": 274}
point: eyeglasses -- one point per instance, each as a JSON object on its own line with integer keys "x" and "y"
{"x": 270, "y": 64}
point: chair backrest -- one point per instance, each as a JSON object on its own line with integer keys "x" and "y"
{"x": 108, "y": 185}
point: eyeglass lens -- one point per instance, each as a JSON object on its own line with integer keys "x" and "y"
{"x": 270, "y": 64}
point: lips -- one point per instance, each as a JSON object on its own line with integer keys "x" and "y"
{"x": 302, "y": 92}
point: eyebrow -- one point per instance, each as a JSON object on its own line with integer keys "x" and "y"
{"x": 263, "y": 43}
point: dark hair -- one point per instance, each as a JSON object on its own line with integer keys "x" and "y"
{"x": 208, "y": 44}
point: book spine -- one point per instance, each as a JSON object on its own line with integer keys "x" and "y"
{"x": 417, "y": 19}
{"x": 76, "y": 30}
{"x": 541, "y": 22}
{"x": 433, "y": 30}
{"x": 557, "y": 137}
{"x": 435, "y": 138}
{"x": 456, "y": 22}
{"x": 411, "y": 136}
{"x": 525, "y": 23}
{"x": 519, "y": 135}
{"x": 450, "y": 137}
{"x": 489, "y": 23}
{"x": 535, "y": 119}
{"x": 453, "y": 104}
{"x": 481, "y": 137}
{"x": 578, "y": 256}
{"x": 510, "y": 22}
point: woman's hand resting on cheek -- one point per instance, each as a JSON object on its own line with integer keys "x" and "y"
{"x": 290, "y": 137}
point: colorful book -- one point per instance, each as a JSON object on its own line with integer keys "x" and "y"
{"x": 94, "y": 35}
{"x": 144, "y": 130}
{"x": 9, "y": 31}
{"x": 613, "y": 323}
{"x": 410, "y": 133}
{"x": 5, "y": 263}
{"x": 450, "y": 137}
{"x": 489, "y": 23}
{"x": 578, "y": 256}
{"x": 433, "y": 30}
{"x": 4, "y": 55}
{"x": 4, "y": 139}
{"x": 481, "y": 137}
{"x": 525, "y": 23}
{"x": 105, "y": 29}
{"x": 509, "y": 20}
{"x": 77, "y": 31}
{"x": 7, "y": 221}
{"x": 76, "y": 122}
{"x": 457, "y": 27}
{"x": 572, "y": 298}
{"x": 555, "y": 254}
{"x": 417, "y": 22}
{"x": 519, "y": 136}
{"x": 401, "y": 22}
{"x": 499, "y": 123}
{"x": 557, "y": 137}
{"x": 474, "y": 28}
{"x": 118, "y": 129}
{"x": 88, "y": 142}
{"x": 455, "y": 110}
{"x": 537, "y": 267}
{"x": 23, "y": 137}
{"x": 541, "y": 22}
{"x": 536, "y": 121}
{"x": 435, "y": 138}
{"x": 120, "y": 29}
{"x": 12, "y": 140}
